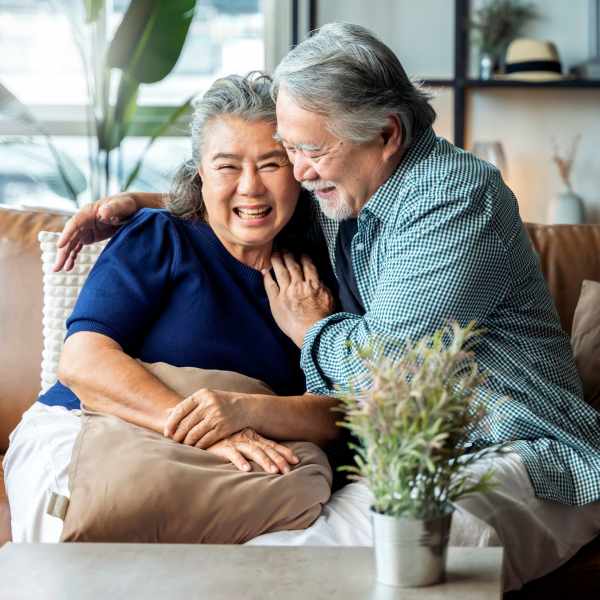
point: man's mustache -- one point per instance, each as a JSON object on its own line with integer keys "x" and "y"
{"x": 314, "y": 185}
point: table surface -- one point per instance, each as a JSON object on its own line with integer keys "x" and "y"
{"x": 174, "y": 571}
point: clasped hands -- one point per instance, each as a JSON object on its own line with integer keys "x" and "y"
{"x": 216, "y": 421}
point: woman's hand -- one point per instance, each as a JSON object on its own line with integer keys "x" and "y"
{"x": 99, "y": 221}
{"x": 206, "y": 417}
{"x": 93, "y": 223}
{"x": 247, "y": 444}
{"x": 298, "y": 298}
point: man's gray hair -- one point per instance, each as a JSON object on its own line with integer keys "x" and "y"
{"x": 346, "y": 74}
{"x": 246, "y": 97}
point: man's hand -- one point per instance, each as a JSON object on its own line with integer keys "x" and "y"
{"x": 206, "y": 417}
{"x": 247, "y": 444}
{"x": 92, "y": 223}
{"x": 298, "y": 299}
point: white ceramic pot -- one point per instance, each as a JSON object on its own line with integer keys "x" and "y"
{"x": 567, "y": 208}
{"x": 410, "y": 552}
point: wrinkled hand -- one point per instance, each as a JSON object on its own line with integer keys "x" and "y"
{"x": 92, "y": 223}
{"x": 298, "y": 298}
{"x": 206, "y": 417}
{"x": 247, "y": 444}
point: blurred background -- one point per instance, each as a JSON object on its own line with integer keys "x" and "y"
{"x": 95, "y": 95}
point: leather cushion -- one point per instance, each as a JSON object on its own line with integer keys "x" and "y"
{"x": 568, "y": 255}
{"x": 585, "y": 339}
{"x": 20, "y": 312}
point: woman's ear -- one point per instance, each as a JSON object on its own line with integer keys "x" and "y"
{"x": 392, "y": 137}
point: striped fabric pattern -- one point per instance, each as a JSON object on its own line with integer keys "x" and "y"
{"x": 442, "y": 240}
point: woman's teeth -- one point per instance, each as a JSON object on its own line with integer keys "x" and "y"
{"x": 252, "y": 213}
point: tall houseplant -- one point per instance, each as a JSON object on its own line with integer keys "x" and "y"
{"x": 413, "y": 417}
{"x": 144, "y": 50}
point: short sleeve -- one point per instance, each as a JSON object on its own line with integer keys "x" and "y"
{"x": 130, "y": 281}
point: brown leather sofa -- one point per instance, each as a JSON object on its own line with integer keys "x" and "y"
{"x": 569, "y": 254}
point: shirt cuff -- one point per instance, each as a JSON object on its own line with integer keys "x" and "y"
{"x": 95, "y": 327}
{"x": 317, "y": 382}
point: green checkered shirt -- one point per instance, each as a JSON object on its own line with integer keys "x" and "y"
{"x": 442, "y": 240}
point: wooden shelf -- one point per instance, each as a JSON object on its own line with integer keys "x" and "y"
{"x": 439, "y": 82}
{"x": 515, "y": 83}
{"x": 460, "y": 83}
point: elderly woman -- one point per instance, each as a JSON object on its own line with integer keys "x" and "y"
{"x": 185, "y": 287}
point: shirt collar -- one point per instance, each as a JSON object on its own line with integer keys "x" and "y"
{"x": 380, "y": 203}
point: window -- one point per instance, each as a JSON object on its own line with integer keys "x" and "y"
{"x": 41, "y": 65}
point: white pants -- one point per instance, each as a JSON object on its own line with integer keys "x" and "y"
{"x": 538, "y": 536}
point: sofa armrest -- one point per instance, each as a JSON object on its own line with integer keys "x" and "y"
{"x": 5, "y": 532}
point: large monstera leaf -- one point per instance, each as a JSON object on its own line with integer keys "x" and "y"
{"x": 150, "y": 38}
{"x": 145, "y": 48}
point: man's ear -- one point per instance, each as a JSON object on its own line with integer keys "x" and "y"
{"x": 392, "y": 137}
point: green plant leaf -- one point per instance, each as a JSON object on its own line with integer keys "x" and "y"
{"x": 13, "y": 108}
{"x": 120, "y": 116}
{"x": 174, "y": 116}
{"x": 38, "y": 162}
{"x": 93, "y": 8}
{"x": 149, "y": 39}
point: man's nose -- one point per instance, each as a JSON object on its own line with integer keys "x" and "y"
{"x": 303, "y": 169}
{"x": 250, "y": 183}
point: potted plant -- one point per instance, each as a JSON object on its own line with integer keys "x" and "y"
{"x": 494, "y": 25}
{"x": 412, "y": 418}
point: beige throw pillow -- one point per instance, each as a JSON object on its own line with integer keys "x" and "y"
{"x": 129, "y": 484}
{"x": 585, "y": 339}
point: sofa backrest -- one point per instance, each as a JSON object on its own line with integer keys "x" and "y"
{"x": 568, "y": 254}
{"x": 20, "y": 312}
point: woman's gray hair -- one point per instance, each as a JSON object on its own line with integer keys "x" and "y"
{"x": 346, "y": 74}
{"x": 246, "y": 97}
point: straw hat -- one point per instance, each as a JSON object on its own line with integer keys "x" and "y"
{"x": 532, "y": 60}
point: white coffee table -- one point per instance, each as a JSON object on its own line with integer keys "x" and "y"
{"x": 172, "y": 572}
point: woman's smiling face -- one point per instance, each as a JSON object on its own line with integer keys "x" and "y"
{"x": 248, "y": 186}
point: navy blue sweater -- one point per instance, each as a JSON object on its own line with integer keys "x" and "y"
{"x": 167, "y": 290}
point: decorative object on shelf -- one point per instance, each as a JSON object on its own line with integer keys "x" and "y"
{"x": 486, "y": 66}
{"x": 567, "y": 207}
{"x": 529, "y": 59}
{"x": 590, "y": 69}
{"x": 492, "y": 152}
{"x": 494, "y": 25}
{"x": 413, "y": 417}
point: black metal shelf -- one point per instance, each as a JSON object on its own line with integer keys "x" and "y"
{"x": 514, "y": 83}
{"x": 439, "y": 82}
{"x": 461, "y": 84}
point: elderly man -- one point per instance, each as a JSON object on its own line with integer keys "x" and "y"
{"x": 421, "y": 233}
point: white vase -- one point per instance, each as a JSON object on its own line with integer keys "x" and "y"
{"x": 567, "y": 208}
{"x": 410, "y": 552}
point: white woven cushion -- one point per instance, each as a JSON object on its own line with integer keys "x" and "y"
{"x": 60, "y": 293}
